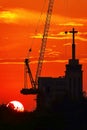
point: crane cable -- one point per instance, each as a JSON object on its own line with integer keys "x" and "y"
{"x": 25, "y": 77}
{"x": 66, "y": 20}
{"x": 36, "y": 30}
{"x": 30, "y": 49}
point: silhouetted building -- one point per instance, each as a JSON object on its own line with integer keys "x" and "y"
{"x": 55, "y": 90}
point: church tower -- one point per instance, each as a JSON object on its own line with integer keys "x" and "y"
{"x": 73, "y": 73}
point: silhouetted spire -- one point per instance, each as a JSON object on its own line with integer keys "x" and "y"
{"x": 73, "y": 43}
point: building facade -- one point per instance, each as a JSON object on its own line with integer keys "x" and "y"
{"x": 56, "y": 90}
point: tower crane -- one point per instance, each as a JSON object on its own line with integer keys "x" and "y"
{"x": 34, "y": 83}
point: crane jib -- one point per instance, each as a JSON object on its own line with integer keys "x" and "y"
{"x": 44, "y": 40}
{"x": 34, "y": 83}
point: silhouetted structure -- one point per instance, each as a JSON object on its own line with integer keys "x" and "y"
{"x": 53, "y": 91}
{"x": 62, "y": 93}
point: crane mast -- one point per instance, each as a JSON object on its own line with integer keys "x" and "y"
{"x": 44, "y": 40}
{"x": 34, "y": 83}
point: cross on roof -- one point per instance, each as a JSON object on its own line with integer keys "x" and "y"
{"x": 73, "y": 31}
{"x": 73, "y": 34}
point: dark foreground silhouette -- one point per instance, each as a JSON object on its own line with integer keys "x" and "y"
{"x": 66, "y": 116}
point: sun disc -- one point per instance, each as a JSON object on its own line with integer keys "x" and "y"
{"x": 16, "y": 105}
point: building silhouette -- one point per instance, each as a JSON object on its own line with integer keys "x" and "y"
{"x": 53, "y": 91}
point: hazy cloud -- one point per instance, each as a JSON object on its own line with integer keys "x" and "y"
{"x": 67, "y": 44}
{"x": 23, "y": 16}
{"x": 71, "y": 24}
{"x": 19, "y": 16}
{"x": 61, "y": 36}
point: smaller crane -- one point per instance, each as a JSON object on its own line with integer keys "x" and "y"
{"x": 34, "y": 83}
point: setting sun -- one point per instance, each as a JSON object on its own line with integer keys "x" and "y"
{"x": 16, "y": 106}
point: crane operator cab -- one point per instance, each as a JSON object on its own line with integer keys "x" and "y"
{"x": 27, "y": 91}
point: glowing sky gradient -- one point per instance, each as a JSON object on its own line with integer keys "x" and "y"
{"x": 21, "y": 27}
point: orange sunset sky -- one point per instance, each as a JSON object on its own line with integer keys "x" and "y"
{"x": 21, "y": 27}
